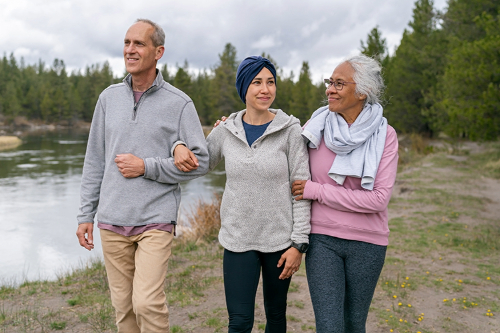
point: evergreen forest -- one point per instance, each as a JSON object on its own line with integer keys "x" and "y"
{"x": 444, "y": 77}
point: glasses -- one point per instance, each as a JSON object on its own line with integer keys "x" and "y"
{"x": 339, "y": 85}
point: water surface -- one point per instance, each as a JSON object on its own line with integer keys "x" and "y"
{"x": 39, "y": 199}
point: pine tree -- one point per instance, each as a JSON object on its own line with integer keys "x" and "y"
{"x": 414, "y": 70}
{"x": 182, "y": 79}
{"x": 468, "y": 98}
{"x": 165, "y": 73}
{"x": 305, "y": 98}
{"x": 459, "y": 20}
{"x": 223, "y": 89}
{"x": 376, "y": 47}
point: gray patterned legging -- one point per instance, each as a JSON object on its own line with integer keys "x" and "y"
{"x": 342, "y": 276}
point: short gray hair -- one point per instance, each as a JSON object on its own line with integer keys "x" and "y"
{"x": 368, "y": 77}
{"x": 158, "y": 36}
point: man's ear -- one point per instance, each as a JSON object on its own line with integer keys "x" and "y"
{"x": 159, "y": 52}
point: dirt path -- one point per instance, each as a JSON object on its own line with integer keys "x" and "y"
{"x": 439, "y": 285}
{"x": 442, "y": 270}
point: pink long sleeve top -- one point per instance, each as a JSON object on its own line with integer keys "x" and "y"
{"x": 348, "y": 211}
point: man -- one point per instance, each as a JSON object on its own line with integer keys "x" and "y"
{"x": 130, "y": 180}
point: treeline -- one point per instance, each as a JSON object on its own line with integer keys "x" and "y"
{"x": 445, "y": 74}
{"x": 50, "y": 94}
{"x": 443, "y": 77}
{"x": 214, "y": 93}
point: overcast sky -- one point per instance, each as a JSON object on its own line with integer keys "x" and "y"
{"x": 86, "y": 32}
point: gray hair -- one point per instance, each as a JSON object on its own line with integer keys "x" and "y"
{"x": 158, "y": 35}
{"x": 368, "y": 77}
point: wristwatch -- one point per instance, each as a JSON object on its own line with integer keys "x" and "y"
{"x": 301, "y": 247}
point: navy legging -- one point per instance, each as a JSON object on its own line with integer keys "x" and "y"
{"x": 241, "y": 278}
{"x": 342, "y": 276}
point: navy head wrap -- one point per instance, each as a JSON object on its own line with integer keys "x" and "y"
{"x": 248, "y": 70}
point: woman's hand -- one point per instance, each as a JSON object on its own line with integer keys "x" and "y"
{"x": 184, "y": 159}
{"x": 292, "y": 259}
{"x": 298, "y": 189}
{"x": 223, "y": 118}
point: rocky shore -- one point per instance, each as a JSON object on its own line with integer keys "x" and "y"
{"x": 9, "y": 142}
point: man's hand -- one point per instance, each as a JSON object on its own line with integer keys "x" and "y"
{"x": 184, "y": 159}
{"x": 298, "y": 189}
{"x": 292, "y": 259}
{"x": 86, "y": 228}
{"x": 129, "y": 165}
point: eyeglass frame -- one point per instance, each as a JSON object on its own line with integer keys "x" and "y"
{"x": 328, "y": 83}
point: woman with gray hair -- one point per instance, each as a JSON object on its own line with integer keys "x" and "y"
{"x": 353, "y": 157}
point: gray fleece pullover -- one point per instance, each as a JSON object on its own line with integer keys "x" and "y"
{"x": 148, "y": 130}
{"x": 258, "y": 211}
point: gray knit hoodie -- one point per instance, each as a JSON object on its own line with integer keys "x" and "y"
{"x": 258, "y": 211}
{"x": 148, "y": 129}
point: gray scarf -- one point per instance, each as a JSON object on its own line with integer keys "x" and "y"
{"x": 359, "y": 147}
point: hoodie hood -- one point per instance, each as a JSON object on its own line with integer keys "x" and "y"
{"x": 234, "y": 123}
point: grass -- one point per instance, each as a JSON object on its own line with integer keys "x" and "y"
{"x": 193, "y": 268}
{"x": 214, "y": 320}
{"x": 203, "y": 223}
{"x": 441, "y": 245}
{"x": 441, "y": 268}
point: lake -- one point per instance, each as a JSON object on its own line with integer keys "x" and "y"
{"x": 39, "y": 200}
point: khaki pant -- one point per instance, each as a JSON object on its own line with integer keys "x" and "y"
{"x": 136, "y": 268}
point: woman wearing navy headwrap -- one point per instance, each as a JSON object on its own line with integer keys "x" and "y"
{"x": 262, "y": 228}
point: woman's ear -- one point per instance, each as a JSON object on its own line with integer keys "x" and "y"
{"x": 362, "y": 97}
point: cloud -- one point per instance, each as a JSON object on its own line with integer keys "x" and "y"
{"x": 83, "y": 33}
{"x": 265, "y": 42}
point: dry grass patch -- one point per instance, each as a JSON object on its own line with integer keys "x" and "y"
{"x": 202, "y": 224}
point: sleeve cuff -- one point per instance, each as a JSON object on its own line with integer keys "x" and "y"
{"x": 147, "y": 170}
{"x": 311, "y": 190}
{"x": 176, "y": 143}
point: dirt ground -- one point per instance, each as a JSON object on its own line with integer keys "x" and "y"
{"x": 438, "y": 304}
{"x": 442, "y": 270}
{"x": 452, "y": 289}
